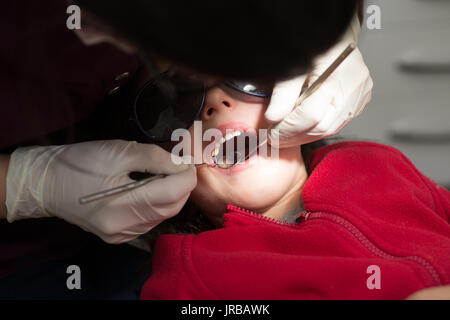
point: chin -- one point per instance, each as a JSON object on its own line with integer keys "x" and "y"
{"x": 258, "y": 199}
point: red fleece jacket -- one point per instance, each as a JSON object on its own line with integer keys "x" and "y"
{"x": 365, "y": 205}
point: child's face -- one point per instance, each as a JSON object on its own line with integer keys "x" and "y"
{"x": 257, "y": 184}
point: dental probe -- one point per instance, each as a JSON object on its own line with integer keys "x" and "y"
{"x": 324, "y": 76}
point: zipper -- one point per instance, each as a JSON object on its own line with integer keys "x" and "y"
{"x": 362, "y": 239}
{"x": 369, "y": 245}
{"x": 258, "y": 216}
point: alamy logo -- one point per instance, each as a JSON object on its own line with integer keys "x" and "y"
{"x": 74, "y": 280}
{"x": 373, "y": 21}
{"x": 374, "y": 281}
{"x": 74, "y": 20}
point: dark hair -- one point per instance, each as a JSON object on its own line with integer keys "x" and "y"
{"x": 262, "y": 40}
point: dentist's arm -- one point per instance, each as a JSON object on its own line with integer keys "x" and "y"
{"x": 48, "y": 181}
{"x": 341, "y": 97}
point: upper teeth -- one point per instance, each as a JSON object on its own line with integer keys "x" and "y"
{"x": 228, "y": 136}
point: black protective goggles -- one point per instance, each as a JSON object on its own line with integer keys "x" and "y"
{"x": 172, "y": 101}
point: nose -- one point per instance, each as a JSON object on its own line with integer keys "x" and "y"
{"x": 217, "y": 101}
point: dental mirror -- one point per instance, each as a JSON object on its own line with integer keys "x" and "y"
{"x": 148, "y": 178}
{"x": 238, "y": 157}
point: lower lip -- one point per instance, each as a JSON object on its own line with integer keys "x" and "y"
{"x": 239, "y": 167}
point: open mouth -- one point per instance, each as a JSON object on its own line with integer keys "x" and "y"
{"x": 236, "y": 147}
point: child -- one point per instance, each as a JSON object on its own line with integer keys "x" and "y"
{"x": 363, "y": 224}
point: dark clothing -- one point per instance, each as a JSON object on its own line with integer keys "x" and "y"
{"x": 106, "y": 272}
{"x": 49, "y": 79}
{"x": 50, "y": 82}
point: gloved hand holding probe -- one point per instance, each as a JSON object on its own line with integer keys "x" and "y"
{"x": 341, "y": 98}
{"x": 48, "y": 181}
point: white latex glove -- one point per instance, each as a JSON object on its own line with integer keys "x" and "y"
{"x": 48, "y": 181}
{"x": 340, "y": 98}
